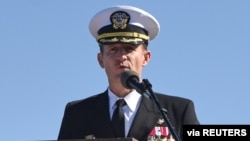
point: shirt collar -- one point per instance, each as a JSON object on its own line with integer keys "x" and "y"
{"x": 132, "y": 99}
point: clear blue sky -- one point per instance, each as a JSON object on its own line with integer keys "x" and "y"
{"x": 48, "y": 58}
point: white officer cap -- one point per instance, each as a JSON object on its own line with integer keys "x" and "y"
{"x": 123, "y": 24}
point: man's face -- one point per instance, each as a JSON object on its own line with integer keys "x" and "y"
{"x": 117, "y": 58}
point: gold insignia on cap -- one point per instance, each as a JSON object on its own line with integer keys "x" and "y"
{"x": 109, "y": 40}
{"x": 160, "y": 121}
{"x": 119, "y": 19}
{"x": 125, "y": 40}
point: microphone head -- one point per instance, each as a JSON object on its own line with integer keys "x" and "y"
{"x": 127, "y": 76}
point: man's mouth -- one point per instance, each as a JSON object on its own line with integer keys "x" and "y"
{"x": 122, "y": 66}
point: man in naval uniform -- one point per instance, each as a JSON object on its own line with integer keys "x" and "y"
{"x": 123, "y": 34}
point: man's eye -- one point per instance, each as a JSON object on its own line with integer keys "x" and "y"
{"x": 113, "y": 49}
{"x": 130, "y": 49}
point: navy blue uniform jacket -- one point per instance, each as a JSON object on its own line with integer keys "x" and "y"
{"x": 91, "y": 116}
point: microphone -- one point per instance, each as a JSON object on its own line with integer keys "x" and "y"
{"x": 130, "y": 80}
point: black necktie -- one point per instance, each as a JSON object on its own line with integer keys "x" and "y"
{"x": 118, "y": 119}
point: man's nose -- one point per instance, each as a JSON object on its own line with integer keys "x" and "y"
{"x": 122, "y": 54}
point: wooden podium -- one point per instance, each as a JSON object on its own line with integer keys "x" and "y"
{"x": 102, "y": 139}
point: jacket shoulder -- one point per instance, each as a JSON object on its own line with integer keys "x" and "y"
{"x": 85, "y": 103}
{"x": 171, "y": 98}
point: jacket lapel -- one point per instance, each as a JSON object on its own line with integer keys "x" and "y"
{"x": 145, "y": 119}
{"x": 101, "y": 118}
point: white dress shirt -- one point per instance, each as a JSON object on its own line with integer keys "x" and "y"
{"x": 133, "y": 100}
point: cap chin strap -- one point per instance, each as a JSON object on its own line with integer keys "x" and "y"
{"x": 123, "y": 34}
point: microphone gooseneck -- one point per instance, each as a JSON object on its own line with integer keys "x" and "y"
{"x": 130, "y": 80}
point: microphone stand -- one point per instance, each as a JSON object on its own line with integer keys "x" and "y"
{"x": 149, "y": 91}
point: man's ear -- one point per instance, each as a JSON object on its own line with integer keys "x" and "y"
{"x": 99, "y": 58}
{"x": 147, "y": 57}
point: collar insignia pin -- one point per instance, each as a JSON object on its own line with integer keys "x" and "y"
{"x": 160, "y": 121}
